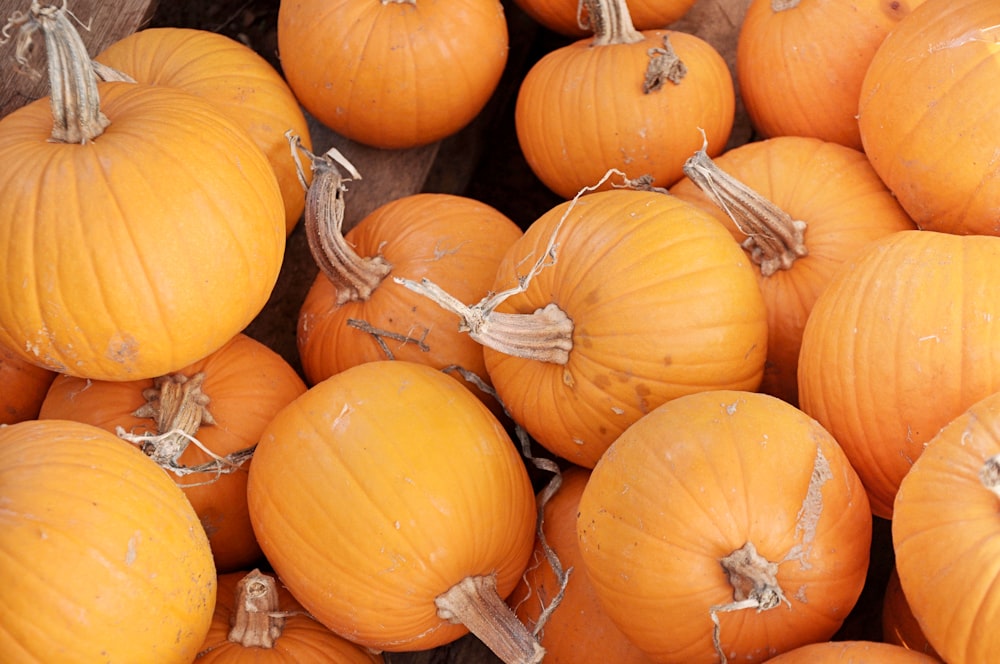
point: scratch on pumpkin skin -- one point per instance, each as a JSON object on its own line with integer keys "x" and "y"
{"x": 809, "y": 513}
{"x": 974, "y": 35}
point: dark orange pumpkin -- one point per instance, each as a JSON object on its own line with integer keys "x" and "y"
{"x": 22, "y": 387}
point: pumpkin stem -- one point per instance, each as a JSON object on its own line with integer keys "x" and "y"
{"x": 475, "y": 603}
{"x": 256, "y": 621}
{"x": 178, "y": 407}
{"x": 989, "y": 474}
{"x": 354, "y": 277}
{"x": 774, "y": 240}
{"x": 755, "y": 586}
{"x": 611, "y": 22}
{"x": 76, "y": 105}
{"x": 664, "y": 65}
{"x": 782, "y": 5}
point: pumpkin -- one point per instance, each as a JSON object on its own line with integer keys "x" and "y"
{"x": 200, "y": 424}
{"x": 930, "y": 299}
{"x": 852, "y": 652}
{"x": 569, "y": 18}
{"x": 925, "y": 123}
{"x": 608, "y": 306}
{"x": 241, "y": 83}
{"x": 103, "y": 558}
{"x": 800, "y": 63}
{"x": 396, "y": 509}
{"x": 725, "y": 526}
{"x": 337, "y": 58}
{"x": 625, "y": 99}
{"x": 257, "y": 620}
{"x": 22, "y": 387}
{"x": 945, "y": 533}
{"x": 801, "y": 207}
{"x": 355, "y": 312}
{"x": 138, "y": 239}
{"x": 899, "y": 626}
{"x": 566, "y": 612}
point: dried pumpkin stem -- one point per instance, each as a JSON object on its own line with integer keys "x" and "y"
{"x": 774, "y": 240}
{"x": 664, "y": 65}
{"x": 782, "y": 5}
{"x": 989, "y": 474}
{"x": 475, "y": 603}
{"x": 354, "y": 277}
{"x": 76, "y": 105}
{"x": 611, "y": 22}
{"x": 256, "y": 621}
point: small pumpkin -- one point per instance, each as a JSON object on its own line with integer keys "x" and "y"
{"x": 22, "y": 387}
{"x": 852, "y": 652}
{"x": 624, "y": 99}
{"x": 801, "y": 207}
{"x": 102, "y": 556}
{"x": 393, "y": 74}
{"x": 256, "y": 619}
{"x": 241, "y": 83}
{"x": 200, "y": 424}
{"x": 929, "y": 297}
{"x": 925, "y": 123}
{"x": 569, "y": 17}
{"x": 899, "y": 626}
{"x": 945, "y": 534}
{"x": 141, "y": 228}
{"x": 397, "y": 510}
{"x": 735, "y": 515}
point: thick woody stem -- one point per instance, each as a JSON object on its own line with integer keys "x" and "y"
{"x": 475, "y": 603}
{"x": 774, "y": 240}
{"x": 664, "y": 65}
{"x": 178, "y": 407}
{"x": 611, "y": 22}
{"x": 256, "y": 621}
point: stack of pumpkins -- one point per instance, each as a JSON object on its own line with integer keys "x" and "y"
{"x": 656, "y": 425}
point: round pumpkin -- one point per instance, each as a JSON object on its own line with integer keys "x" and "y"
{"x": 926, "y": 124}
{"x": 725, "y": 526}
{"x": 580, "y": 343}
{"x": 136, "y": 249}
{"x": 387, "y": 494}
{"x": 899, "y": 626}
{"x": 241, "y": 83}
{"x": 570, "y": 19}
{"x": 904, "y": 338}
{"x": 102, "y": 556}
{"x": 623, "y": 99}
{"x": 223, "y": 401}
{"x": 22, "y": 387}
{"x": 257, "y": 620}
{"x": 852, "y": 652}
{"x": 801, "y": 207}
{"x": 393, "y": 74}
{"x": 945, "y": 533}
{"x": 566, "y": 612}
{"x": 800, "y": 63}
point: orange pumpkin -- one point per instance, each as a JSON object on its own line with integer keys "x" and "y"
{"x": 625, "y": 99}
{"x": 574, "y": 627}
{"x": 801, "y": 207}
{"x": 102, "y": 557}
{"x": 395, "y": 507}
{"x": 256, "y": 619}
{"x": 800, "y": 63}
{"x": 393, "y": 74}
{"x": 925, "y": 123}
{"x": 569, "y": 17}
{"x": 580, "y": 343}
{"x": 852, "y": 652}
{"x": 725, "y": 526}
{"x": 899, "y": 626}
{"x": 137, "y": 239}
{"x": 904, "y": 338}
{"x": 241, "y": 83}
{"x": 945, "y": 534}
{"x": 22, "y": 387}
{"x": 223, "y": 401}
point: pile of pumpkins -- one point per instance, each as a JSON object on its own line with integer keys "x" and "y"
{"x": 656, "y": 425}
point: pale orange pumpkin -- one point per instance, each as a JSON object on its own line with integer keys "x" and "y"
{"x": 141, "y": 228}
{"x": 22, "y": 387}
{"x": 393, "y": 74}
{"x": 223, "y": 401}
{"x": 801, "y": 207}
{"x": 241, "y": 83}
{"x": 397, "y": 510}
{"x": 725, "y": 526}
{"x": 102, "y": 556}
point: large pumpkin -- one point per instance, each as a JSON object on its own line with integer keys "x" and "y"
{"x": 393, "y": 74}
{"x": 385, "y": 496}
{"x": 241, "y": 83}
{"x": 946, "y": 535}
{"x": 222, "y": 402}
{"x": 725, "y": 526}
{"x": 102, "y": 557}
{"x": 136, "y": 240}
{"x": 904, "y": 338}
{"x": 926, "y": 124}
{"x": 801, "y": 207}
